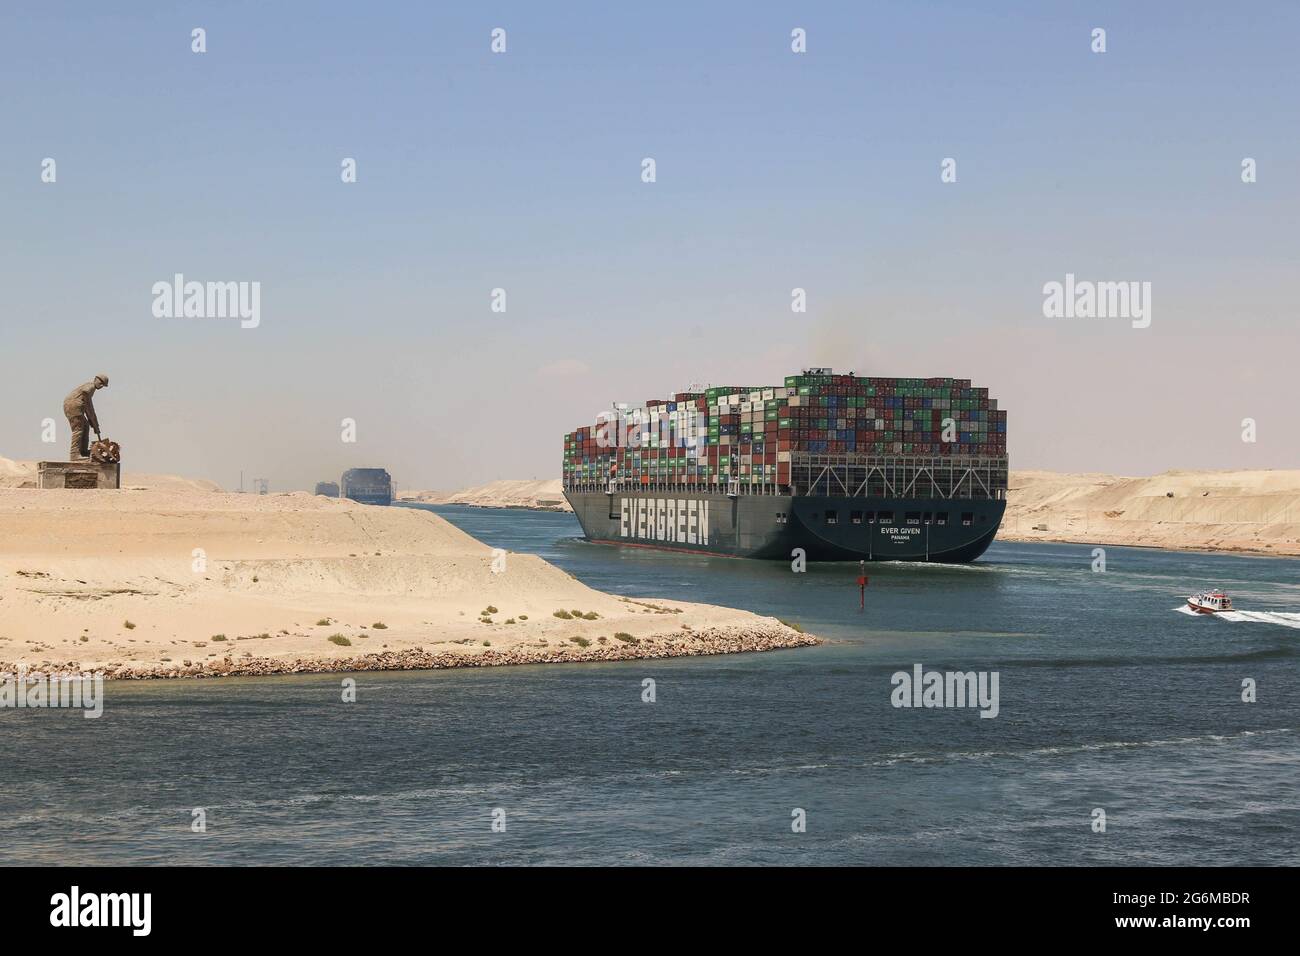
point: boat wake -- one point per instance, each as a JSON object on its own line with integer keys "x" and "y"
{"x": 1283, "y": 618}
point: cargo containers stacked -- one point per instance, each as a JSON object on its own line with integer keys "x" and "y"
{"x": 753, "y": 436}
{"x": 842, "y": 414}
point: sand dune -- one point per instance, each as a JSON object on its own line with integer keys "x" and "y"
{"x": 1249, "y": 511}
{"x": 276, "y": 576}
{"x": 544, "y": 495}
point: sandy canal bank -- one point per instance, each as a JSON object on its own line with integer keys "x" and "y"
{"x": 1250, "y": 512}
{"x": 538, "y": 495}
{"x": 177, "y": 583}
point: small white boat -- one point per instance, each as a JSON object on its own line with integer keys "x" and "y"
{"x": 1209, "y": 602}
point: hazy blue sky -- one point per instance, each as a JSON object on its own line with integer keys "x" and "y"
{"x": 522, "y": 171}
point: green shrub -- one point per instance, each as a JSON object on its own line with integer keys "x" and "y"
{"x": 564, "y": 615}
{"x": 218, "y": 637}
{"x": 379, "y": 626}
{"x": 340, "y": 640}
{"x": 625, "y": 637}
{"x": 323, "y": 622}
{"x": 128, "y": 625}
{"x": 580, "y": 641}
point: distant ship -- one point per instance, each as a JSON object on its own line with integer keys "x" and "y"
{"x": 329, "y": 489}
{"x": 837, "y": 466}
{"x": 369, "y": 486}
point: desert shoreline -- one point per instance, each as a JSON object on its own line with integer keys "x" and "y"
{"x": 417, "y": 659}
{"x": 150, "y": 583}
{"x": 1248, "y": 513}
{"x": 1229, "y": 550}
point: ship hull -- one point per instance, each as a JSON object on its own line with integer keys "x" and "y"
{"x": 773, "y": 527}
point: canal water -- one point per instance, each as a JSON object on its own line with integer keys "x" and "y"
{"x": 1112, "y": 705}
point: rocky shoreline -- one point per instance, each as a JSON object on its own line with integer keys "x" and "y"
{"x": 710, "y": 641}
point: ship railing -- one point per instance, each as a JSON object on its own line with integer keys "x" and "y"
{"x": 949, "y": 478}
{"x": 972, "y": 490}
{"x": 897, "y": 476}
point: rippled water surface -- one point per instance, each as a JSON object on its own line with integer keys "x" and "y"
{"x": 1109, "y": 697}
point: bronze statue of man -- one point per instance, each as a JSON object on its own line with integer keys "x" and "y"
{"x": 80, "y": 409}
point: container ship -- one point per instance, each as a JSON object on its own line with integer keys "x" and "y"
{"x": 843, "y": 467}
{"x": 370, "y": 486}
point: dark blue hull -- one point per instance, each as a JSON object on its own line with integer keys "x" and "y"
{"x": 776, "y": 526}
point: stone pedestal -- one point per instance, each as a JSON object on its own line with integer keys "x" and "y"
{"x": 78, "y": 474}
